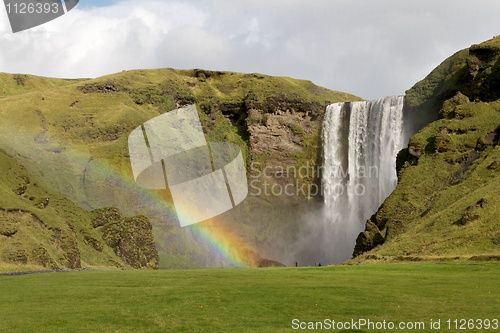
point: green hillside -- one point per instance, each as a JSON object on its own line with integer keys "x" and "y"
{"x": 447, "y": 202}
{"x": 68, "y": 195}
{"x": 42, "y": 229}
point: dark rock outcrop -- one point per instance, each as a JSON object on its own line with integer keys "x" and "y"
{"x": 369, "y": 239}
{"x": 269, "y": 263}
{"x": 472, "y": 213}
{"x": 131, "y": 238}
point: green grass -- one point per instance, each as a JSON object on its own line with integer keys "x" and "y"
{"x": 246, "y": 300}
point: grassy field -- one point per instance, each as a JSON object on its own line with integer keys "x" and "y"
{"x": 247, "y": 300}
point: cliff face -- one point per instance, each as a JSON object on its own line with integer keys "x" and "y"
{"x": 446, "y": 201}
{"x": 69, "y": 137}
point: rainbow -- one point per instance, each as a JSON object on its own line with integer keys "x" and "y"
{"x": 62, "y": 162}
{"x": 227, "y": 244}
{"x": 224, "y": 242}
{"x": 222, "y": 239}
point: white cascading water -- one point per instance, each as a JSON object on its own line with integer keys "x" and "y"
{"x": 360, "y": 144}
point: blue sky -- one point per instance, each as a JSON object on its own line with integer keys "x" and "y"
{"x": 95, "y": 3}
{"x": 371, "y": 49}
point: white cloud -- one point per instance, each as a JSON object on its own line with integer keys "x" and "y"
{"x": 369, "y": 48}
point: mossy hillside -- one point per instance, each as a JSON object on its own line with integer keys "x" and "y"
{"x": 474, "y": 72}
{"x": 96, "y": 116}
{"x": 72, "y": 136}
{"x": 446, "y": 201}
{"x": 439, "y": 83}
{"x": 17, "y": 84}
{"x": 40, "y": 228}
{"x": 46, "y": 229}
{"x": 211, "y": 89}
{"x": 224, "y": 100}
{"x": 428, "y": 212}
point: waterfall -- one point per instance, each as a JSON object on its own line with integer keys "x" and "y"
{"x": 360, "y": 144}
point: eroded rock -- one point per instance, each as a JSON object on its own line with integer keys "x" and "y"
{"x": 131, "y": 238}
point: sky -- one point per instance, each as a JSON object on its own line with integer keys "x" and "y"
{"x": 370, "y": 48}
